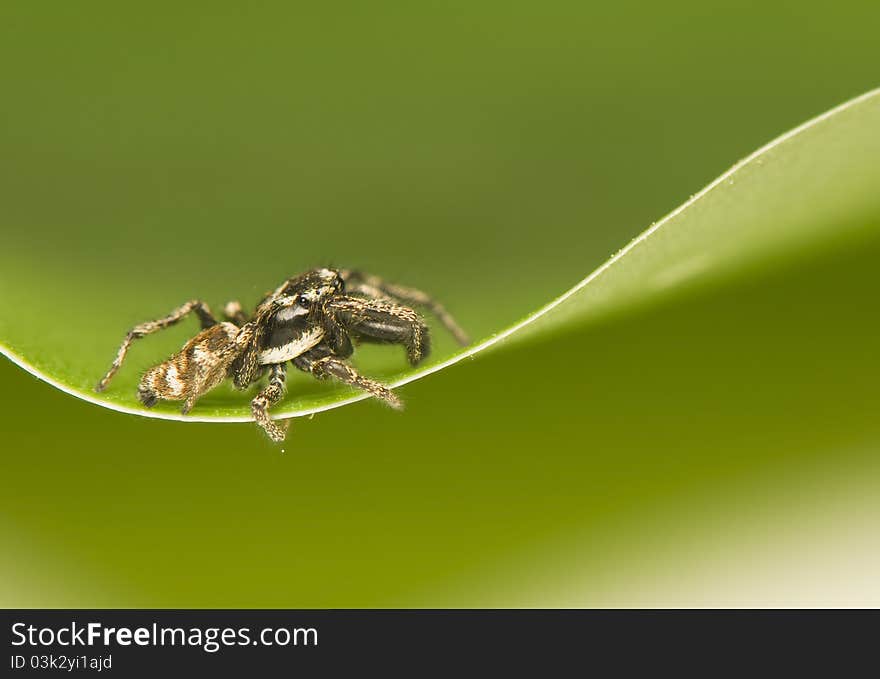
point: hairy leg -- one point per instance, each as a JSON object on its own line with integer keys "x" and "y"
{"x": 322, "y": 364}
{"x": 234, "y": 313}
{"x": 198, "y": 307}
{"x": 246, "y": 368}
{"x": 372, "y": 286}
{"x": 377, "y": 320}
{"x": 268, "y": 397}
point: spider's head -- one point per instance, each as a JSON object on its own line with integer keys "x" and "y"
{"x": 298, "y": 296}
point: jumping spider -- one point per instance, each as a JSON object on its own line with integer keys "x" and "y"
{"x": 311, "y": 320}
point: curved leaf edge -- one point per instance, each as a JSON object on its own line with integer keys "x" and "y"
{"x": 492, "y": 341}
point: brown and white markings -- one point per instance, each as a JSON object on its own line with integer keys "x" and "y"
{"x": 313, "y": 321}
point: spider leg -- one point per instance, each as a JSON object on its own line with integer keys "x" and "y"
{"x": 382, "y": 321}
{"x": 372, "y": 286}
{"x": 245, "y": 368}
{"x": 234, "y": 313}
{"x": 206, "y": 318}
{"x": 322, "y": 364}
{"x": 268, "y": 397}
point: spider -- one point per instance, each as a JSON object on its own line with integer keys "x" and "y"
{"x": 312, "y": 320}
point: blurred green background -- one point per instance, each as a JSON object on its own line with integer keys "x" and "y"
{"x": 708, "y": 450}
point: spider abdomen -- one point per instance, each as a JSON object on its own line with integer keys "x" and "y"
{"x": 199, "y": 366}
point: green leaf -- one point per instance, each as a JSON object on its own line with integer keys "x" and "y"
{"x": 814, "y": 186}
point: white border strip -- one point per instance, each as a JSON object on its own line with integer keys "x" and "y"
{"x": 485, "y": 344}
